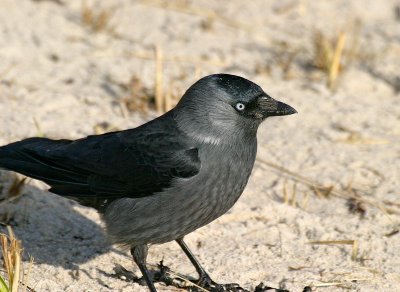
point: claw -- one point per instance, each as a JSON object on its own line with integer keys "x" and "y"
{"x": 206, "y": 282}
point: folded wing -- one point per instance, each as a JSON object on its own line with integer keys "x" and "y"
{"x": 98, "y": 169}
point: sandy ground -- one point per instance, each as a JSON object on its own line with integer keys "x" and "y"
{"x": 60, "y": 79}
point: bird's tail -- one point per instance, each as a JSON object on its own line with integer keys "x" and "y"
{"x": 24, "y": 157}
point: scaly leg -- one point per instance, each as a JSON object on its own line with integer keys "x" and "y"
{"x": 139, "y": 254}
{"x": 204, "y": 279}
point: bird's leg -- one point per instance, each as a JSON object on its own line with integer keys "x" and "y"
{"x": 139, "y": 254}
{"x": 204, "y": 278}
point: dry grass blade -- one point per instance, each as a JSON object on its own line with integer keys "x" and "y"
{"x": 305, "y": 200}
{"x": 346, "y": 280}
{"x": 158, "y": 90}
{"x": 330, "y": 284}
{"x": 293, "y": 201}
{"x": 329, "y": 55}
{"x": 353, "y": 243}
{"x": 323, "y": 191}
{"x": 16, "y": 188}
{"x": 393, "y": 232}
{"x": 11, "y": 252}
{"x": 187, "y": 281}
{"x": 39, "y": 130}
{"x": 26, "y": 277}
{"x": 290, "y": 198}
{"x": 285, "y": 193}
{"x": 337, "y": 56}
{"x": 334, "y": 54}
{"x": 168, "y": 99}
{"x": 322, "y": 51}
{"x": 327, "y": 284}
{"x": 329, "y": 190}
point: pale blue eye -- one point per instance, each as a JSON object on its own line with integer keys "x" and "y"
{"x": 240, "y": 106}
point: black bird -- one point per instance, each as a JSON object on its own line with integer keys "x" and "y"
{"x": 164, "y": 179}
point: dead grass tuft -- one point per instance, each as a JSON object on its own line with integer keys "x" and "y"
{"x": 11, "y": 252}
{"x": 333, "y": 54}
{"x": 328, "y": 54}
{"x": 142, "y": 99}
{"x": 138, "y": 98}
{"x": 15, "y": 278}
{"x": 95, "y": 18}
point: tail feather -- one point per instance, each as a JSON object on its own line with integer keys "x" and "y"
{"x": 25, "y": 157}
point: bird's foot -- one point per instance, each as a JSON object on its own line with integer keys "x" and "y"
{"x": 162, "y": 274}
{"x": 207, "y": 283}
{"x": 262, "y": 288}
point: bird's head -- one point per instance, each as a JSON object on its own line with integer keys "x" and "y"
{"x": 221, "y": 105}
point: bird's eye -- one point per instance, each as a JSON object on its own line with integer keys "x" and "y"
{"x": 240, "y": 106}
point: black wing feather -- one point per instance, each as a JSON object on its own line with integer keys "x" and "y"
{"x": 131, "y": 163}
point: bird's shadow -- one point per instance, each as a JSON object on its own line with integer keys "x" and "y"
{"x": 52, "y": 229}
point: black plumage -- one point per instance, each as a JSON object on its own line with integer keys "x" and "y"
{"x": 99, "y": 169}
{"x": 166, "y": 178}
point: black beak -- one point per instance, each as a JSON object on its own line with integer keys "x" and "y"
{"x": 283, "y": 109}
{"x": 271, "y": 107}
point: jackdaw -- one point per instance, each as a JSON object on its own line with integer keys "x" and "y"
{"x": 164, "y": 179}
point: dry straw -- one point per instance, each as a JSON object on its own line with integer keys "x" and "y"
{"x": 334, "y": 54}
{"x": 96, "y": 19}
{"x": 353, "y": 243}
{"x": 11, "y": 252}
{"x": 12, "y": 261}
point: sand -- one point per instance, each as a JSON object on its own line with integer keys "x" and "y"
{"x": 59, "y": 77}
